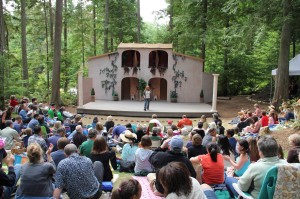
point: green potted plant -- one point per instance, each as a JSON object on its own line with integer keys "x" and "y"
{"x": 201, "y": 97}
{"x": 115, "y": 96}
{"x": 93, "y": 95}
{"x": 141, "y": 87}
{"x": 173, "y": 96}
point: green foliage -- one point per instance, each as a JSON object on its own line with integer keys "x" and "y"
{"x": 142, "y": 84}
{"x": 173, "y": 94}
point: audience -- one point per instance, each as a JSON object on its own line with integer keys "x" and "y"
{"x": 101, "y": 153}
{"x": 212, "y": 165}
{"x": 129, "y": 189}
{"x": 87, "y": 146}
{"x": 264, "y": 119}
{"x": 204, "y": 122}
{"x": 59, "y": 154}
{"x": 251, "y": 181}
{"x": 10, "y": 135}
{"x": 109, "y": 123}
{"x": 211, "y": 136}
{"x": 177, "y": 182}
{"x": 294, "y": 141}
{"x": 196, "y": 148}
{"x": 7, "y": 180}
{"x": 6, "y": 115}
{"x": 129, "y": 149}
{"x": 225, "y": 150}
{"x": 37, "y": 138}
{"x": 253, "y": 150}
{"x": 142, "y": 155}
{"x": 60, "y": 132}
{"x": 184, "y": 122}
{"x": 78, "y": 137}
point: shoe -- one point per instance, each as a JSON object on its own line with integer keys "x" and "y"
{"x": 144, "y": 109}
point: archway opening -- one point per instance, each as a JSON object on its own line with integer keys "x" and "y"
{"x": 129, "y": 89}
{"x": 131, "y": 58}
{"x": 158, "y": 88}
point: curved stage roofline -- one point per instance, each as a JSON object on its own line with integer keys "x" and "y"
{"x": 136, "y": 109}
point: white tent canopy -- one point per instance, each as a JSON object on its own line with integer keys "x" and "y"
{"x": 294, "y": 69}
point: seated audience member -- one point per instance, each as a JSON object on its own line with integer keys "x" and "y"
{"x": 231, "y": 139}
{"x": 139, "y": 132}
{"x": 244, "y": 123}
{"x": 201, "y": 132}
{"x": 7, "y": 179}
{"x": 129, "y": 149}
{"x": 99, "y": 128}
{"x": 42, "y": 122}
{"x": 175, "y": 130}
{"x": 73, "y": 171}
{"x": 129, "y": 189}
{"x": 101, "y": 153}
{"x": 251, "y": 181}
{"x": 169, "y": 135}
{"x": 220, "y": 128}
{"x": 78, "y": 137}
{"x": 129, "y": 127}
{"x": 204, "y": 122}
{"x": 256, "y": 126}
{"x": 10, "y": 135}
{"x": 87, "y": 146}
{"x": 161, "y": 157}
{"x": 271, "y": 118}
{"x": 154, "y": 120}
{"x": 34, "y": 121}
{"x": 142, "y": 155}
{"x": 57, "y": 125}
{"x": 184, "y": 122}
{"x": 196, "y": 148}
{"x": 216, "y": 118}
{"x": 257, "y": 111}
{"x": 13, "y": 101}
{"x": 264, "y": 119}
{"x": 117, "y": 131}
{"x": 60, "y": 116}
{"x": 249, "y": 123}
{"x": 212, "y": 165}
{"x": 51, "y": 112}
{"x": 294, "y": 141}
{"x": 42, "y": 173}
{"x": 280, "y": 152}
{"x": 286, "y": 112}
{"x": 211, "y": 136}
{"x": 95, "y": 121}
{"x": 59, "y": 154}
{"x": 37, "y": 138}
{"x": 253, "y": 150}
{"x": 109, "y": 123}
{"x": 177, "y": 183}
{"x": 190, "y": 141}
{"x": 155, "y": 138}
{"x": 6, "y": 115}
{"x": 242, "y": 162}
{"x": 225, "y": 150}
{"x": 28, "y": 133}
{"x": 168, "y": 126}
{"x": 18, "y": 124}
{"x": 60, "y": 132}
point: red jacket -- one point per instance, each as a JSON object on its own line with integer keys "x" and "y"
{"x": 185, "y": 122}
{"x": 264, "y": 121}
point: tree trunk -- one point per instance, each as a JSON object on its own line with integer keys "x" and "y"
{"x": 106, "y": 22}
{"x": 94, "y": 28}
{"x": 57, "y": 54}
{"x": 204, "y": 28}
{"x": 24, "y": 45}
{"x": 138, "y": 35}
{"x": 282, "y": 77}
{"x": 66, "y": 58}
{"x": 47, "y": 48}
{"x": 51, "y": 25}
{"x": 2, "y": 56}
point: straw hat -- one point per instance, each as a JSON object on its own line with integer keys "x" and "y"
{"x": 128, "y": 136}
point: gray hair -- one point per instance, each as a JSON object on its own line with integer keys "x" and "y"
{"x": 155, "y": 130}
{"x": 70, "y": 149}
{"x": 268, "y": 146}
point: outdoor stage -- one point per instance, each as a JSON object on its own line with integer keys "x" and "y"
{"x": 136, "y": 109}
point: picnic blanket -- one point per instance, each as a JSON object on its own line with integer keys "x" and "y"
{"x": 235, "y": 120}
{"x": 146, "y": 190}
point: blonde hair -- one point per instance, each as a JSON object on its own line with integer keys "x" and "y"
{"x": 34, "y": 153}
{"x": 109, "y": 118}
{"x": 294, "y": 139}
{"x": 57, "y": 124}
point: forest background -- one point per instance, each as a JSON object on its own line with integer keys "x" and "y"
{"x": 45, "y": 43}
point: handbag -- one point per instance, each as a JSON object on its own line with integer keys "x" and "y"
{"x": 127, "y": 166}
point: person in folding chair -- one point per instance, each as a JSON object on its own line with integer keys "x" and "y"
{"x": 251, "y": 181}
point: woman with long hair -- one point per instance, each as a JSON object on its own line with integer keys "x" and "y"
{"x": 226, "y": 149}
{"x": 36, "y": 175}
{"x": 129, "y": 189}
{"x": 177, "y": 183}
{"x": 243, "y": 161}
{"x": 142, "y": 155}
{"x": 212, "y": 164}
{"x": 253, "y": 149}
{"x": 147, "y": 96}
{"x": 6, "y": 115}
{"x": 101, "y": 153}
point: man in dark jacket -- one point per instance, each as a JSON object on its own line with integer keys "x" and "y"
{"x": 7, "y": 180}
{"x": 161, "y": 157}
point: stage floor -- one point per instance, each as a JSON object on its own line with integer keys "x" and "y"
{"x": 136, "y": 109}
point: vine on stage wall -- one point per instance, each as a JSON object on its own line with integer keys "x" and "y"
{"x": 178, "y": 74}
{"x": 111, "y": 74}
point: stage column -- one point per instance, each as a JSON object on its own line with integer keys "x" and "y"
{"x": 80, "y": 89}
{"x": 215, "y": 93}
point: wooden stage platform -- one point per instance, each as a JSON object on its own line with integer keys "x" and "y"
{"x": 136, "y": 109}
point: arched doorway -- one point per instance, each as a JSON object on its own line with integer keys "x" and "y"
{"x": 129, "y": 88}
{"x": 158, "y": 88}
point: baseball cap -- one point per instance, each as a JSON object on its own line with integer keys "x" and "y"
{"x": 176, "y": 144}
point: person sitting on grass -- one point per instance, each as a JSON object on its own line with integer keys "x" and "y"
{"x": 142, "y": 155}
{"x": 87, "y": 146}
{"x": 129, "y": 149}
{"x": 28, "y": 133}
{"x": 196, "y": 148}
{"x": 129, "y": 189}
{"x": 294, "y": 141}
